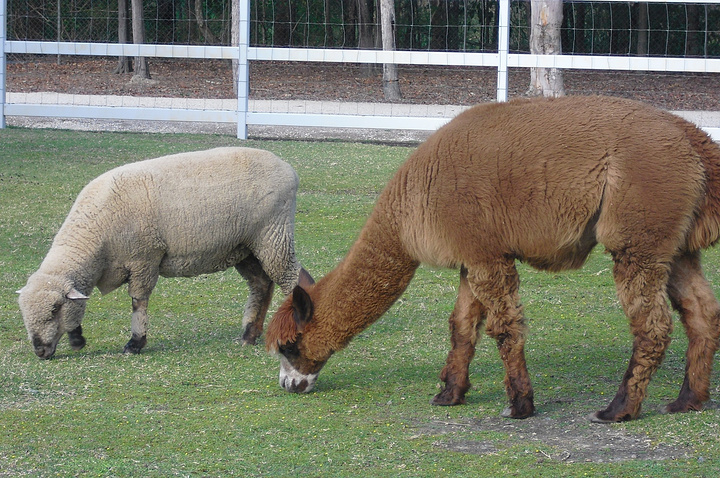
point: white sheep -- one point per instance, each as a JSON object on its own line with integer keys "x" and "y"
{"x": 176, "y": 216}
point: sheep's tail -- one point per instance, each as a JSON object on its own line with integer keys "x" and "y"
{"x": 706, "y": 231}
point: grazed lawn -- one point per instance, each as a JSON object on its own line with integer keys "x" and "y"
{"x": 196, "y": 403}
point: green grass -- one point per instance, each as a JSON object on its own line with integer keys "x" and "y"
{"x": 196, "y": 403}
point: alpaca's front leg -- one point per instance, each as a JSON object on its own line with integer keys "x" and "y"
{"x": 497, "y": 286}
{"x": 465, "y": 320}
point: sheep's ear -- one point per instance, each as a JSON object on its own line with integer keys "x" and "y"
{"x": 75, "y": 294}
{"x": 303, "y": 307}
{"x": 19, "y": 291}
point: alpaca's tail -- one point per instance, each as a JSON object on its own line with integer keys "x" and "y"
{"x": 706, "y": 231}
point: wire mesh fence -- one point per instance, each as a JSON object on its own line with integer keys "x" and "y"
{"x": 667, "y": 54}
{"x": 598, "y": 28}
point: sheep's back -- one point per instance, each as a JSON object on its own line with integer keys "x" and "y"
{"x": 200, "y": 211}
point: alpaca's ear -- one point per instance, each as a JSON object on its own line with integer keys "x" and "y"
{"x": 305, "y": 279}
{"x": 303, "y": 308}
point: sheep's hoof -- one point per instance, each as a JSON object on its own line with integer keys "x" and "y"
{"x": 77, "y": 341}
{"x": 250, "y": 336}
{"x": 135, "y": 345}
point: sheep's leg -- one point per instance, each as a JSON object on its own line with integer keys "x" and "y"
{"x": 691, "y": 295}
{"x": 138, "y": 327}
{"x": 75, "y": 336}
{"x": 641, "y": 289}
{"x": 496, "y": 285}
{"x": 140, "y": 285}
{"x": 465, "y": 320}
{"x": 261, "y": 291}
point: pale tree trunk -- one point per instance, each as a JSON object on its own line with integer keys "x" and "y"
{"x": 235, "y": 38}
{"x": 124, "y": 65}
{"x": 391, "y": 87}
{"x": 545, "y": 22}
{"x": 138, "y": 27}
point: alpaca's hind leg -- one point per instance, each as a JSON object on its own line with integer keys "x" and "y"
{"x": 691, "y": 295}
{"x": 496, "y": 286}
{"x": 465, "y": 320}
{"x": 261, "y": 291}
{"x": 641, "y": 290}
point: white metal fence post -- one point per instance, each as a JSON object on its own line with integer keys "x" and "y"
{"x": 243, "y": 72}
{"x": 3, "y": 34}
{"x": 503, "y": 49}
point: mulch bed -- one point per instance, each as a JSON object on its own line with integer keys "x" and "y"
{"x": 345, "y": 82}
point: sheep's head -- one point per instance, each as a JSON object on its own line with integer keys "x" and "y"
{"x": 50, "y": 307}
{"x": 289, "y": 335}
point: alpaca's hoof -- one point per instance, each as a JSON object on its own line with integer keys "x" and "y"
{"x": 603, "y": 416}
{"x": 447, "y": 398}
{"x": 679, "y": 406}
{"x": 510, "y": 412}
{"x": 595, "y": 418}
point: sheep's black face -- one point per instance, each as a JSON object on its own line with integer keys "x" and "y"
{"x": 297, "y": 373}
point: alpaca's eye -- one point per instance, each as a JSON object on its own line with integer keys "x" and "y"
{"x": 289, "y": 349}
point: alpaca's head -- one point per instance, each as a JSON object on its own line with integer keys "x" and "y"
{"x": 293, "y": 335}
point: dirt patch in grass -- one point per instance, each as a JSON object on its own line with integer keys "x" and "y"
{"x": 572, "y": 439}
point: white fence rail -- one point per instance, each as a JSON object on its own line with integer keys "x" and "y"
{"x": 258, "y": 113}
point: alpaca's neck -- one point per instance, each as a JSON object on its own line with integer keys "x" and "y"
{"x": 373, "y": 275}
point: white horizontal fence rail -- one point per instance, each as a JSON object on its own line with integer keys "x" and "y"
{"x": 323, "y": 114}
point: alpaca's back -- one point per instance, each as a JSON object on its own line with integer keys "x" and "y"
{"x": 545, "y": 180}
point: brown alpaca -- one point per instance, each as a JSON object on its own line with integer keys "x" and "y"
{"x": 541, "y": 181}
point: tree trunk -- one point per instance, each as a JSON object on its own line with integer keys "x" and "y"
{"x": 391, "y": 86}
{"x": 138, "y": 27}
{"x": 642, "y": 29}
{"x": 349, "y": 26}
{"x": 546, "y": 19}
{"x": 282, "y": 32}
{"x": 327, "y": 19}
{"x": 202, "y": 24}
{"x": 366, "y": 37}
{"x": 124, "y": 64}
{"x": 692, "y": 42}
{"x": 444, "y": 25}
